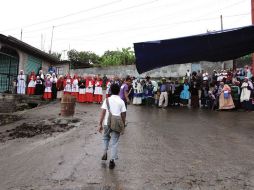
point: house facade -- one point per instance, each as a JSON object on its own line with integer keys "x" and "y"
{"x": 16, "y": 55}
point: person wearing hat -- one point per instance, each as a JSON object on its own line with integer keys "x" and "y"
{"x": 82, "y": 90}
{"x": 235, "y": 92}
{"x": 225, "y": 98}
{"x": 38, "y": 86}
{"x": 67, "y": 84}
{"x": 21, "y": 85}
{"x": 246, "y": 87}
{"x": 48, "y": 88}
{"x": 89, "y": 89}
{"x": 138, "y": 92}
{"x": 185, "y": 94}
{"x": 31, "y": 84}
{"x": 60, "y": 86}
{"x": 98, "y": 94}
{"x": 54, "y": 88}
{"x": 75, "y": 87}
{"x": 163, "y": 101}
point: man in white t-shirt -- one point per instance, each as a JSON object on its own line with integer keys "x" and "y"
{"x": 117, "y": 108}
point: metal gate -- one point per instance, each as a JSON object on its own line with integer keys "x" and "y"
{"x": 33, "y": 64}
{"x": 8, "y": 71}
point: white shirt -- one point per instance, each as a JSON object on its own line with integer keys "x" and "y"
{"x": 117, "y": 106}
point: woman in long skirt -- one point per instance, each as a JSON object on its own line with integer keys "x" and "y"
{"x": 31, "y": 84}
{"x": 48, "y": 89}
{"x": 38, "y": 86}
{"x": 138, "y": 93}
{"x": 60, "y": 87}
{"x": 54, "y": 88}
{"x": 185, "y": 94}
{"x": 82, "y": 91}
{"x": 225, "y": 98}
{"x": 89, "y": 89}
{"x": 98, "y": 91}
{"x": 194, "y": 95}
{"x": 246, "y": 87}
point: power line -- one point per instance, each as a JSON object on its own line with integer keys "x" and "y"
{"x": 147, "y": 27}
{"x": 93, "y": 17}
{"x": 68, "y": 15}
{"x": 120, "y": 10}
{"x": 108, "y": 13}
{"x": 159, "y": 25}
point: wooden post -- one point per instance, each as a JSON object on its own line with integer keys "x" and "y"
{"x": 252, "y": 13}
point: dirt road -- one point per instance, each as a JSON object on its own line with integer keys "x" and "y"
{"x": 161, "y": 149}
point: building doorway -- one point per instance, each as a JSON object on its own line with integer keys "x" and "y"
{"x": 9, "y": 65}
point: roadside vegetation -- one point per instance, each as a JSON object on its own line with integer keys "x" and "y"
{"x": 124, "y": 56}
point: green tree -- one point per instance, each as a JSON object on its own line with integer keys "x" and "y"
{"x": 83, "y": 57}
{"x": 119, "y": 57}
{"x": 128, "y": 57}
{"x": 56, "y": 55}
{"x": 73, "y": 55}
{"x": 125, "y": 56}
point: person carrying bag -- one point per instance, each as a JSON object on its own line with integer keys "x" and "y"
{"x": 112, "y": 122}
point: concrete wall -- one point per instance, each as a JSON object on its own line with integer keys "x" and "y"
{"x": 122, "y": 71}
{"x": 7, "y": 103}
{"x": 62, "y": 69}
{"x": 168, "y": 71}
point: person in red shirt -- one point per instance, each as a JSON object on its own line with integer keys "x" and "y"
{"x": 82, "y": 90}
{"x": 98, "y": 94}
{"x": 75, "y": 87}
{"x": 48, "y": 88}
{"x": 67, "y": 85}
{"x": 31, "y": 84}
{"x": 60, "y": 87}
{"x": 89, "y": 89}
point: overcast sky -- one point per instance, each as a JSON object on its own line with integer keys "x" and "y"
{"x": 96, "y": 25}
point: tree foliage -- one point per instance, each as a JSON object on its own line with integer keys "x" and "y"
{"x": 125, "y": 56}
{"x": 83, "y": 57}
{"x": 56, "y": 55}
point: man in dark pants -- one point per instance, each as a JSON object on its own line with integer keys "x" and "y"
{"x": 124, "y": 91}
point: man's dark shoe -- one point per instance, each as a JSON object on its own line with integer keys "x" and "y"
{"x": 112, "y": 164}
{"x": 104, "y": 156}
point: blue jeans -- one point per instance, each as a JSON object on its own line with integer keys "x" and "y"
{"x": 108, "y": 134}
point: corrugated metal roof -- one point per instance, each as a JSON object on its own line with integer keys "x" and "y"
{"x": 15, "y": 43}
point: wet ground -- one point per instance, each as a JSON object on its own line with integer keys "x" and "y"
{"x": 161, "y": 149}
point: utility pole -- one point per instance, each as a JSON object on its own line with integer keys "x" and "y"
{"x": 221, "y": 22}
{"x": 41, "y": 42}
{"x": 221, "y": 27}
{"x": 51, "y": 40}
{"x": 21, "y": 34}
{"x": 252, "y": 13}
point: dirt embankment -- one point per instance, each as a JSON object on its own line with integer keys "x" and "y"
{"x": 45, "y": 127}
{"x": 9, "y": 118}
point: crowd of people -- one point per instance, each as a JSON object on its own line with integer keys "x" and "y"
{"x": 222, "y": 90}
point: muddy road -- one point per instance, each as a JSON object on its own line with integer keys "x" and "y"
{"x": 161, "y": 149}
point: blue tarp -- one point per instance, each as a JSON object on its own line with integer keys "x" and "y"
{"x": 213, "y": 47}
